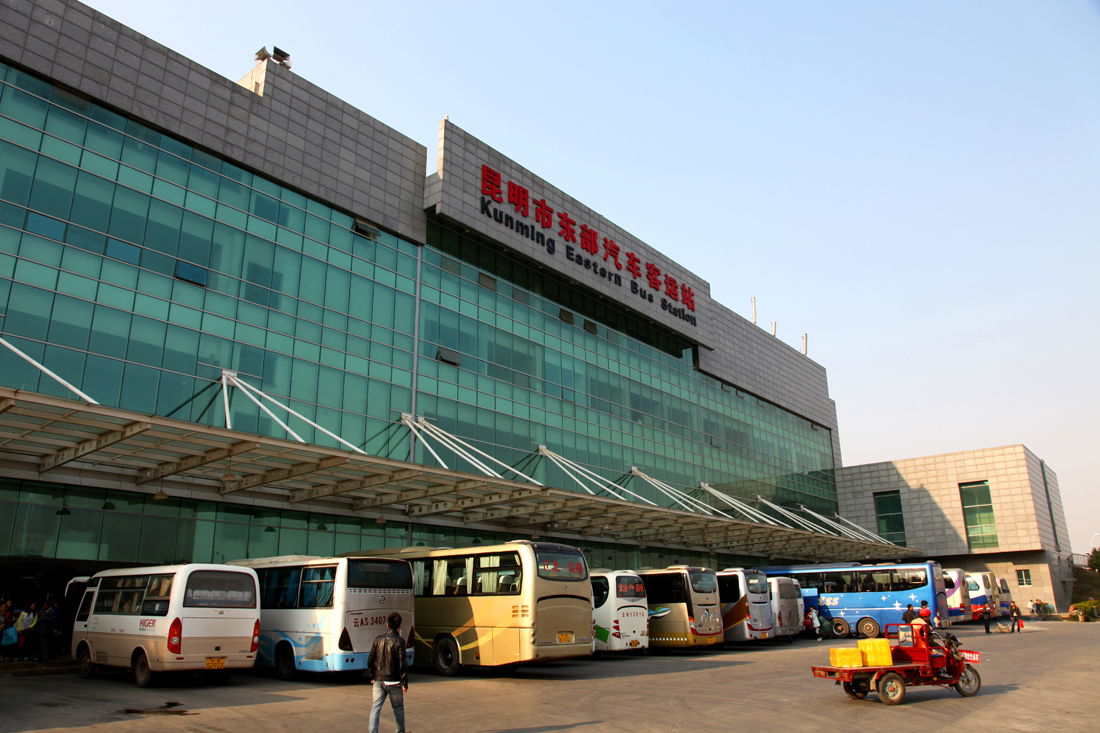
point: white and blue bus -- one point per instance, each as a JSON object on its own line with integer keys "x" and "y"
{"x": 958, "y": 594}
{"x": 322, "y": 614}
{"x": 865, "y": 598}
{"x": 984, "y": 589}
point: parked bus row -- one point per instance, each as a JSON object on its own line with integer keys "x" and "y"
{"x": 519, "y": 601}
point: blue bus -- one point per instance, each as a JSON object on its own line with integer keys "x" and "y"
{"x": 865, "y": 598}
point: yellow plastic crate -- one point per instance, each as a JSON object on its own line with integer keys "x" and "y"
{"x": 876, "y": 652}
{"x": 845, "y": 658}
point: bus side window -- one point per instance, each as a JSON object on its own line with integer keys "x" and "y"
{"x": 279, "y": 587}
{"x": 729, "y": 588}
{"x": 422, "y": 577}
{"x": 85, "y": 606}
{"x": 439, "y": 577}
{"x": 317, "y": 587}
{"x": 458, "y": 575}
{"x": 496, "y": 574}
{"x": 600, "y": 591}
{"x": 157, "y": 596}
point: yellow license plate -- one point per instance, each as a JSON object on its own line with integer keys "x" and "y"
{"x": 633, "y": 642}
{"x": 215, "y": 662}
{"x": 565, "y": 637}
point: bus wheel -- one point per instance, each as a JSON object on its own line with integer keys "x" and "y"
{"x": 868, "y": 627}
{"x": 284, "y": 662}
{"x": 969, "y": 682}
{"x": 891, "y": 688}
{"x": 841, "y": 628}
{"x": 856, "y": 690}
{"x": 85, "y": 666}
{"x": 143, "y": 676}
{"x": 445, "y": 656}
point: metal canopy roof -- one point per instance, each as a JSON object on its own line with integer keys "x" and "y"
{"x": 55, "y": 439}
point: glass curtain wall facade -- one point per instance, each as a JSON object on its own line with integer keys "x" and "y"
{"x": 121, "y": 528}
{"x": 540, "y": 364}
{"x": 138, "y": 267}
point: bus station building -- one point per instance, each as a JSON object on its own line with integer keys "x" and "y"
{"x": 238, "y": 320}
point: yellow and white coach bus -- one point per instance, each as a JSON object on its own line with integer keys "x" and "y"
{"x": 683, "y": 606}
{"x": 168, "y": 618}
{"x": 491, "y": 605}
{"x": 322, "y": 614}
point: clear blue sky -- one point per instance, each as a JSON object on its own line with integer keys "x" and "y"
{"x": 914, "y": 184}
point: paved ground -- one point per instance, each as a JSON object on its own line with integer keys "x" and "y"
{"x": 1042, "y": 680}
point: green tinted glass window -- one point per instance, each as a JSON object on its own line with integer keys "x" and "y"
{"x": 977, "y": 506}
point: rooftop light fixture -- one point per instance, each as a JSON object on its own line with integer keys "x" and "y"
{"x": 63, "y": 511}
{"x": 161, "y": 495}
{"x": 280, "y": 56}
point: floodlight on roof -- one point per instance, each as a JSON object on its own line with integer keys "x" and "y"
{"x": 262, "y": 54}
{"x": 280, "y": 56}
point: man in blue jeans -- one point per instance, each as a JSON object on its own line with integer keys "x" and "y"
{"x": 388, "y": 674}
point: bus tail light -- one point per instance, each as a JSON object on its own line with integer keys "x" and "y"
{"x": 615, "y": 630}
{"x": 691, "y": 623}
{"x": 345, "y": 641}
{"x": 255, "y": 636}
{"x": 175, "y": 637}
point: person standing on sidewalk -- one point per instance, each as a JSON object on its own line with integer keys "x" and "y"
{"x": 28, "y": 628}
{"x": 388, "y": 674}
{"x": 985, "y": 614}
{"x": 1015, "y": 618}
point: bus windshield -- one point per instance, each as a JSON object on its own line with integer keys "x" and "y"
{"x": 703, "y": 581}
{"x": 219, "y": 589}
{"x": 561, "y": 564}
{"x": 629, "y": 586}
{"x": 757, "y": 583}
{"x": 378, "y": 574}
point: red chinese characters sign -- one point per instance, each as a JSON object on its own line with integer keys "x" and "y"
{"x": 600, "y": 254}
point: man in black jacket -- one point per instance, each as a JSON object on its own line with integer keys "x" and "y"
{"x": 388, "y": 674}
{"x": 986, "y": 612}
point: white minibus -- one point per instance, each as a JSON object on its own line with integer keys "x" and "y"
{"x": 619, "y": 611}
{"x": 683, "y": 606}
{"x": 168, "y": 618}
{"x": 322, "y": 614}
{"x": 786, "y": 595}
{"x": 984, "y": 589}
{"x": 746, "y": 604}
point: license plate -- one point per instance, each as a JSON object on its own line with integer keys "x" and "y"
{"x": 215, "y": 662}
{"x": 565, "y": 637}
{"x": 633, "y": 642}
{"x": 971, "y": 656}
